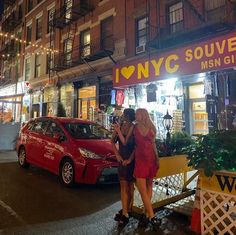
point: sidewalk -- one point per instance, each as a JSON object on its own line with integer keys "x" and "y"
{"x": 7, "y": 156}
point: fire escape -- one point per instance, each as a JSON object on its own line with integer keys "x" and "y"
{"x": 65, "y": 20}
{"x": 189, "y": 21}
{"x": 9, "y": 48}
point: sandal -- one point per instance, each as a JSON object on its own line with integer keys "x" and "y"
{"x": 143, "y": 221}
{"x": 118, "y": 215}
{"x": 123, "y": 220}
{"x": 155, "y": 223}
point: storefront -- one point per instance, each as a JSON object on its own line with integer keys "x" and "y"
{"x": 194, "y": 84}
{"x": 11, "y": 103}
{"x": 50, "y": 101}
{"x": 66, "y": 98}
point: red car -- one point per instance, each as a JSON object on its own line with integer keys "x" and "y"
{"x": 76, "y": 150}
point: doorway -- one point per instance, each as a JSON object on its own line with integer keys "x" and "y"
{"x": 87, "y": 102}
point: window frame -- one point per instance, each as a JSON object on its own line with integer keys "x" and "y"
{"x": 38, "y": 28}
{"x": 85, "y": 48}
{"x": 37, "y": 68}
{"x": 107, "y": 34}
{"x": 137, "y": 31}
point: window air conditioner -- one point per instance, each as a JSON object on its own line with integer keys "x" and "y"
{"x": 140, "y": 49}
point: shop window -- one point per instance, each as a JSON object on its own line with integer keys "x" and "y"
{"x": 18, "y": 68}
{"x": 196, "y": 91}
{"x": 27, "y": 69}
{"x": 37, "y": 65}
{"x": 85, "y": 43}
{"x": 176, "y": 17}
{"x": 67, "y": 51}
{"x": 30, "y": 5}
{"x": 215, "y": 9}
{"x": 51, "y": 13}
{"x": 141, "y": 34}
{"x": 38, "y": 28}
{"x": 28, "y": 34}
{"x": 107, "y": 34}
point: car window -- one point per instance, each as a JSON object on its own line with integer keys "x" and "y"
{"x": 39, "y": 126}
{"x": 54, "y": 129}
{"x": 87, "y": 131}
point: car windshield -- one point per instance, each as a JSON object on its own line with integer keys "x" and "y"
{"x": 87, "y": 131}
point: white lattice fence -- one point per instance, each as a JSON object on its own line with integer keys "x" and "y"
{"x": 163, "y": 188}
{"x": 218, "y": 213}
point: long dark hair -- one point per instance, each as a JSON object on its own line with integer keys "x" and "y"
{"x": 130, "y": 114}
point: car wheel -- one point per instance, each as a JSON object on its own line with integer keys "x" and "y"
{"x": 22, "y": 158}
{"x": 67, "y": 172}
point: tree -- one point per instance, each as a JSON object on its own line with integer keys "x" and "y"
{"x": 61, "y": 110}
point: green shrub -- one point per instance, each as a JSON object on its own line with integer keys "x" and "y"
{"x": 212, "y": 152}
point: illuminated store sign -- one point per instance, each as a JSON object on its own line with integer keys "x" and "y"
{"x": 216, "y": 54}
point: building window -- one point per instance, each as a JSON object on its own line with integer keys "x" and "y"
{"x": 49, "y": 62}
{"x": 85, "y": 43}
{"x": 20, "y": 13}
{"x": 29, "y": 34}
{"x": 50, "y": 20}
{"x": 141, "y": 31}
{"x": 37, "y": 65}
{"x": 67, "y": 51}
{"x": 176, "y": 17}
{"x": 30, "y": 5}
{"x": 215, "y": 9}
{"x": 38, "y": 28}
{"x": 107, "y": 34}
{"x": 38, "y": 1}
{"x": 68, "y": 10}
{"x": 27, "y": 69}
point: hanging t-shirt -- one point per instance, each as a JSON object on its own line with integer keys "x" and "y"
{"x": 131, "y": 96}
{"x": 120, "y": 97}
{"x": 113, "y": 97}
{"x": 151, "y": 92}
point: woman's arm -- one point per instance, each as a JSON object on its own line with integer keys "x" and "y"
{"x": 128, "y": 161}
{"x": 113, "y": 143}
{"x": 123, "y": 139}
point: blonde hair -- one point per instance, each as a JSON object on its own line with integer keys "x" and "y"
{"x": 145, "y": 119}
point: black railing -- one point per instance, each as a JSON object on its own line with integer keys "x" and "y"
{"x": 11, "y": 23}
{"x": 65, "y": 16}
{"x": 196, "y": 23}
{"x": 83, "y": 54}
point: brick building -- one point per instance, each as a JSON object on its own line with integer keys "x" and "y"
{"x": 73, "y": 51}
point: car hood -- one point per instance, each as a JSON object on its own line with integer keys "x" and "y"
{"x": 100, "y": 147}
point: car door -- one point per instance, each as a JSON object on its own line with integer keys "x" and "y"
{"x": 54, "y": 146}
{"x": 36, "y": 141}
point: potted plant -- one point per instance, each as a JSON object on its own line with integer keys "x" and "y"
{"x": 213, "y": 152}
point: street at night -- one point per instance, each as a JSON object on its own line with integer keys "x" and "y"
{"x": 32, "y": 201}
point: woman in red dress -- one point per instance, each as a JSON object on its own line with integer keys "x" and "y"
{"x": 146, "y": 159}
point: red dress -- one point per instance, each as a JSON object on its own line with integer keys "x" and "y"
{"x": 145, "y": 157}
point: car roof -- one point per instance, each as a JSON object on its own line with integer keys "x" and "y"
{"x": 64, "y": 119}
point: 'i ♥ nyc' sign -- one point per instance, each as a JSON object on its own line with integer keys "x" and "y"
{"x": 215, "y": 54}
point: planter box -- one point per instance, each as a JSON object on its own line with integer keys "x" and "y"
{"x": 218, "y": 203}
{"x": 170, "y": 184}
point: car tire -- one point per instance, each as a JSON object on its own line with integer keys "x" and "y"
{"x": 67, "y": 172}
{"x": 22, "y": 158}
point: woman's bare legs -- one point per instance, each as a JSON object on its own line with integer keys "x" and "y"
{"x": 124, "y": 188}
{"x": 143, "y": 190}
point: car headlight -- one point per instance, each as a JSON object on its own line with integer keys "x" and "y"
{"x": 89, "y": 154}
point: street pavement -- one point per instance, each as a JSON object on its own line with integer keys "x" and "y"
{"x": 95, "y": 223}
